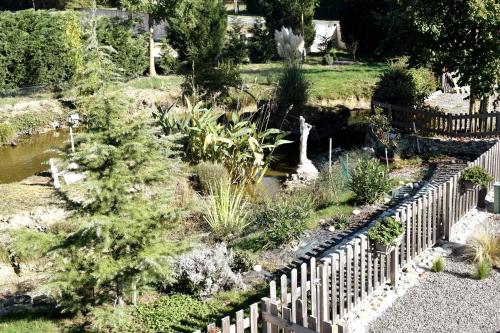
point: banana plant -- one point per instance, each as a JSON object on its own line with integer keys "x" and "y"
{"x": 243, "y": 147}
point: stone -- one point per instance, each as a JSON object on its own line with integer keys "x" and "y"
{"x": 356, "y": 211}
{"x": 17, "y": 300}
{"x": 257, "y": 268}
{"x": 73, "y": 177}
{"x": 44, "y": 300}
{"x": 331, "y": 228}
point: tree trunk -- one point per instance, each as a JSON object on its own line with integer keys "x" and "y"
{"x": 152, "y": 68}
{"x": 472, "y": 102}
{"x": 484, "y": 105}
{"x": 119, "y": 293}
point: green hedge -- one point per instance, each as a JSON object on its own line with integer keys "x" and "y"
{"x": 38, "y": 48}
{"x": 45, "y": 48}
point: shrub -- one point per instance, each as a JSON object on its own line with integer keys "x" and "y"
{"x": 342, "y": 221}
{"x": 293, "y": 88}
{"x": 483, "y": 270}
{"x": 111, "y": 319}
{"x": 211, "y": 83}
{"x": 211, "y": 175}
{"x": 7, "y": 133}
{"x": 386, "y": 231}
{"x": 369, "y": 181}
{"x": 236, "y": 49}
{"x": 226, "y": 212}
{"x": 284, "y": 218}
{"x": 476, "y": 175}
{"x": 39, "y": 48}
{"x": 131, "y": 51}
{"x": 438, "y": 264}
{"x": 168, "y": 62}
{"x": 400, "y": 85}
{"x": 261, "y": 47}
{"x": 205, "y": 272}
{"x": 30, "y": 122}
{"x": 327, "y": 60}
{"x": 325, "y": 188}
{"x": 242, "y": 261}
{"x": 174, "y": 313}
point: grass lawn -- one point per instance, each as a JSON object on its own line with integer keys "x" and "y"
{"x": 28, "y": 325}
{"x": 327, "y": 82}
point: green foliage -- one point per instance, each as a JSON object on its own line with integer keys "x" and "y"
{"x": 38, "y": 48}
{"x": 476, "y": 175}
{"x": 483, "y": 270}
{"x": 342, "y": 221}
{"x": 28, "y": 323}
{"x": 131, "y": 51}
{"x": 293, "y": 88}
{"x": 210, "y": 83}
{"x": 369, "y": 181}
{"x": 438, "y": 264}
{"x": 175, "y": 313}
{"x": 169, "y": 64}
{"x": 400, "y": 85}
{"x": 236, "y": 49}
{"x": 24, "y": 246}
{"x": 226, "y": 212}
{"x": 326, "y": 187}
{"x": 30, "y": 122}
{"x": 261, "y": 46}
{"x": 327, "y": 60}
{"x": 243, "y": 146}
{"x": 485, "y": 247}
{"x": 286, "y": 13}
{"x": 7, "y": 133}
{"x": 197, "y": 28}
{"x": 386, "y": 231}
{"x": 242, "y": 261}
{"x": 211, "y": 175}
{"x": 124, "y": 219}
{"x": 284, "y": 217}
{"x": 111, "y": 319}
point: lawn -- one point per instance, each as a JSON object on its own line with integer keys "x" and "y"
{"x": 327, "y": 82}
{"x": 28, "y": 325}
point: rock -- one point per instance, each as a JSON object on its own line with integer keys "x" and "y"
{"x": 17, "y": 300}
{"x": 257, "y": 268}
{"x": 72, "y": 177}
{"x": 331, "y": 228}
{"x": 356, "y": 211}
{"x": 369, "y": 150}
{"x": 44, "y": 300}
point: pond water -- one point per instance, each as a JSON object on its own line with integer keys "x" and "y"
{"x": 30, "y": 156}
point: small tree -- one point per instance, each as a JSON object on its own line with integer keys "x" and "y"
{"x": 124, "y": 221}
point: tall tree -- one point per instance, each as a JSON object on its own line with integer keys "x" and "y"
{"x": 462, "y": 36}
{"x": 196, "y": 28}
{"x": 295, "y": 14}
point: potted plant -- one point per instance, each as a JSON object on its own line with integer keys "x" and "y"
{"x": 476, "y": 176}
{"x": 386, "y": 234}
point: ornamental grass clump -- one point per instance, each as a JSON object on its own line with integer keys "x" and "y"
{"x": 386, "y": 231}
{"x": 477, "y": 176}
{"x": 369, "y": 181}
{"x": 438, "y": 264}
{"x": 484, "y": 247}
{"x": 226, "y": 212}
{"x": 483, "y": 270}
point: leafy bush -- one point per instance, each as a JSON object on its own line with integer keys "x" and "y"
{"x": 476, "y": 175}
{"x": 131, "y": 51}
{"x": 284, "y": 218}
{"x": 211, "y": 175}
{"x": 111, "y": 319}
{"x": 261, "y": 46}
{"x": 400, "y": 85}
{"x": 226, "y": 212}
{"x": 327, "y": 60}
{"x": 438, "y": 264}
{"x": 7, "y": 133}
{"x": 31, "y": 122}
{"x": 483, "y": 270}
{"x": 205, "y": 272}
{"x": 168, "y": 62}
{"x": 369, "y": 181}
{"x": 342, "y": 221}
{"x": 39, "y": 48}
{"x": 293, "y": 88}
{"x": 386, "y": 231}
{"x": 25, "y": 246}
{"x": 174, "y": 313}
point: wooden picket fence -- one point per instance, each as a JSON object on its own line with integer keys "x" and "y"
{"x": 316, "y": 296}
{"x": 431, "y": 122}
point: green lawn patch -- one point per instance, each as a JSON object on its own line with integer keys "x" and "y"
{"x": 28, "y": 325}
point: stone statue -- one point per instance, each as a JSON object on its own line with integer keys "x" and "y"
{"x": 306, "y": 168}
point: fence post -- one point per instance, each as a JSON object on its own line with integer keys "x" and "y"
{"x": 448, "y": 210}
{"x": 394, "y": 266}
{"x": 450, "y": 127}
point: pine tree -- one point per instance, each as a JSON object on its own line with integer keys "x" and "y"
{"x": 124, "y": 219}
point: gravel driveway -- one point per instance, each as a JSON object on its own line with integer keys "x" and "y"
{"x": 450, "y": 301}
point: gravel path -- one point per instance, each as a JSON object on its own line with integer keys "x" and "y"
{"x": 453, "y": 103}
{"x": 450, "y": 301}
